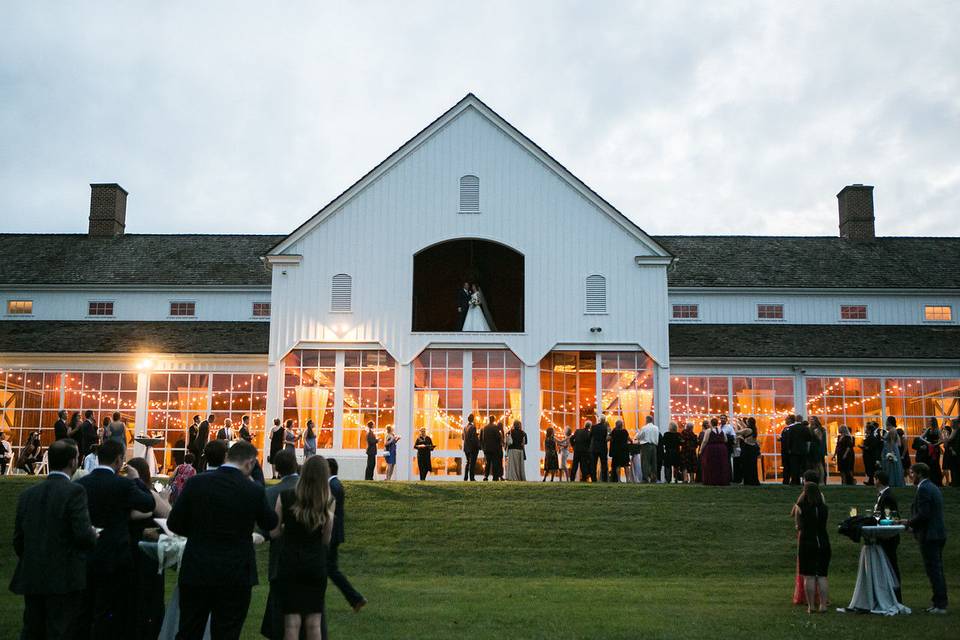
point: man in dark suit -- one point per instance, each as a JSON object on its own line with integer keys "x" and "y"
{"x": 245, "y": 433}
{"x": 471, "y": 449}
{"x": 192, "y": 433}
{"x": 226, "y": 432}
{"x": 798, "y": 438}
{"x": 872, "y": 447}
{"x": 784, "y": 448}
{"x": 926, "y": 521}
{"x": 491, "y": 441}
{"x": 354, "y": 598}
{"x": 60, "y": 430}
{"x": 110, "y": 499}
{"x": 215, "y": 453}
{"x": 203, "y": 437}
{"x": 463, "y": 305}
{"x": 371, "y": 437}
{"x": 88, "y": 434}
{"x": 285, "y": 464}
{"x": 886, "y": 501}
{"x": 581, "y": 453}
{"x": 276, "y": 441}
{"x": 598, "y": 448}
{"x": 51, "y": 532}
{"x": 216, "y": 513}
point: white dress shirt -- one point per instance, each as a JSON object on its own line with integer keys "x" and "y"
{"x": 90, "y": 462}
{"x": 650, "y": 434}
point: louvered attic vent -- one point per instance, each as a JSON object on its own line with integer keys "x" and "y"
{"x": 341, "y": 297}
{"x": 596, "y": 294}
{"x": 469, "y": 194}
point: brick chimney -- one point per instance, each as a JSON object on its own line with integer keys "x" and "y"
{"x": 108, "y": 209}
{"x": 856, "y": 212}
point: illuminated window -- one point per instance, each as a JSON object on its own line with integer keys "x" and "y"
{"x": 469, "y": 194}
{"x": 438, "y": 397}
{"x": 99, "y": 308}
{"x": 769, "y": 312}
{"x": 368, "y": 395}
{"x": 261, "y": 309}
{"x": 308, "y": 392}
{"x": 686, "y": 312}
{"x": 853, "y": 312}
{"x": 183, "y": 309}
{"x": 19, "y": 307}
{"x": 937, "y": 313}
{"x": 596, "y": 294}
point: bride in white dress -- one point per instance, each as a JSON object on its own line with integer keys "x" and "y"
{"x": 478, "y": 317}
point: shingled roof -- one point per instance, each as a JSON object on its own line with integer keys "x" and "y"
{"x": 181, "y": 259}
{"x": 814, "y": 341}
{"x": 86, "y": 336}
{"x": 813, "y": 262}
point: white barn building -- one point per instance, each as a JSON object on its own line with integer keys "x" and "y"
{"x": 353, "y": 317}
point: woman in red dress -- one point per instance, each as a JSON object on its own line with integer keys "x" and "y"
{"x": 715, "y": 458}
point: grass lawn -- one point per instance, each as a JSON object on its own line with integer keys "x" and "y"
{"x": 439, "y": 560}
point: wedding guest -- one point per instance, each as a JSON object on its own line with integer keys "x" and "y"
{"x": 181, "y": 474}
{"x": 714, "y": 461}
{"x": 926, "y": 522}
{"x": 289, "y": 437}
{"x": 671, "y": 454}
{"x": 563, "y": 446}
{"x": 800, "y": 440}
{"x": 599, "y": 436}
{"x": 215, "y": 454}
{"x": 276, "y": 439}
{"x": 117, "y": 429}
{"x": 145, "y": 603}
{"x": 390, "y": 441}
{"x": 516, "y": 453}
{"x": 886, "y": 507}
{"x": 953, "y": 444}
{"x": 306, "y": 514}
{"x": 550, "y": 463}
{"x": 871, "y": 448}
{"x": 244, "y": 433}
{"x": 226, "y": 432}
{"x": 104, "y": 429}
{"x": 424, "y": 445}
{"x": 904, "y": 450}
{"x": 6, "y": 453}
{"x": 87, "y": 433}
{"x": 813, "y": 546}
{"x": 193, "y": 431}
{"x": 111, "y": 499}
{"x": 285, "y": 466}
{"x": 216, "y": 513}
{"x": 817, "y": 458}
{"x": 946, "y": 433}
{"x": 649, "y": 439}
{"x": 51, "y": 533}
{"x": 471, "y": 449}
{"x": 491, "y": 441}
{"x": 30, "y": 453}
{"x": 843, "y": 454}
{"x": 688, "y": 453}
{"x": 619, "y": 452}
{"x": 73, "y": 431}
{"x": 309, "y": 441}
{"x": 731, "y": 437}
{"x": 636, "y": 456}
{"x": 784, "y": 441}
{"x": 203, "y": 437}
{"x": 371, "y": 439}
{"x": 90, "y": 462}
{"x": 890, "y": 455}
{"x": 354, "y": 598}
{"x": 927, "y": 447}
{"x": 581, "y": 453}
{"x": 60, "y": 430}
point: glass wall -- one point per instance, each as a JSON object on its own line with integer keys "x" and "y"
{"x": 568, "y": 389}
{"x": 368, "y": 394}
{"x": 438, "y": 378}
{"x": 309, "y": 383}
{"x": 495, "y": 378}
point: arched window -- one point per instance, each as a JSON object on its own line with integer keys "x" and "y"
{"x": 596, "y": 294}
{"x": 341, "y": 293}
{"x": 469, "y": 194}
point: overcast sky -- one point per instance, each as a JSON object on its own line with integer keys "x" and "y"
{"x": 704, "y": 118}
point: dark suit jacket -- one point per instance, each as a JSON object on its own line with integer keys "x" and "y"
{"x": 463, "y": 304}
{"x": 491, "y": 440}
{"x": 620, "y": 445}
{"x": 336, "y": 488}
{"x": 872, "y": 447}
{"x": 216, "y": 512}
{"x": 88, "y": 437}
{"x": 273, "y": 493}
{"x": 799, "y": 438}
{"x": 110, "y": 499}
{"x": 60, "y": 430}
{"x": 192, "y": 434}
{"x": 926, "y": 513}
{"x": 886, "y": 500}
{"x": 598, "y": 437}
{"x": 222, "y": 434}
{"x": 371, "y": 443}
{"x": 580, "y": 441}
{"x": 203, "y": 435}
{"x": 245, "y": 433}
{"x": 51, "y": 532}
{"x": 471, "y": 440}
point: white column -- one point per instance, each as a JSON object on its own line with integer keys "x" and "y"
{"x": 338, "y": 402}
{"x": 467, "y": 390}
{"x": 140, "y": 415}
{"x": 403, "y": 420}
{"x": 530, "y": 390}
{"x": 661, "y": 397}
{"x": 274, "y": 409}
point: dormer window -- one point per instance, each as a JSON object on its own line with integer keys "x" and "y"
{"x": 937, "y": 313}
{"x": 686, "y": 312}
{"x": 100, "y": 308}
{"x": 469, "y": 194}
{"x": 769, "y": 312}
{"x": 853, "y": 312}
{"x": 19, "y": 307}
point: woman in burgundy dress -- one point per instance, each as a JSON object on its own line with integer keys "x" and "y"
{"x": 688, "y": 453}
{"x": 714, "y": 458}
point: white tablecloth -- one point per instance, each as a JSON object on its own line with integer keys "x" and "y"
{"x": 874, "y": 591}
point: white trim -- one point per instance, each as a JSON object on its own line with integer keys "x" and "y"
{"x": 643, "y": 261}
{"x": 470, "y": 101}
{"x": 814, "y": 291}
{"x": 146, "y": 288}
{"x": 783, "y": 312}
{"x": 284, "y": 259}
{"x": 695, "y": 318}
{"x": 113, "y": 315}
{"x": 170, "y": 304}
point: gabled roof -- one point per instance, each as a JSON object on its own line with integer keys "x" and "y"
{"x": 470, "y": 101}
{"x": 813, "y": 262}
{"x": 134, "y": 259}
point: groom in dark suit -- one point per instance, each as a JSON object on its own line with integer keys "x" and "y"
{"x": 463, "y": 304}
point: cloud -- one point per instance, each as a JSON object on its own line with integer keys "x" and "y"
{"x": 689, "y": 117}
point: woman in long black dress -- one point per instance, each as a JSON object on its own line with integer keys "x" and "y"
{"x": 813, "y": 546}
{"x": 423, "y": 445}
{"x": 306, "y": 524}
{"x": 671, "y": 454}
{"x": 146, "y": 606}
{"x": 550, "y": 463}
{"x": 843, "y": 454}
{"x": 749, "y": 451}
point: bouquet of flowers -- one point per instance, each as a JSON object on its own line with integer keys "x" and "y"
{"x": 890, "y": 457}
{"x": 475, "y": 299}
